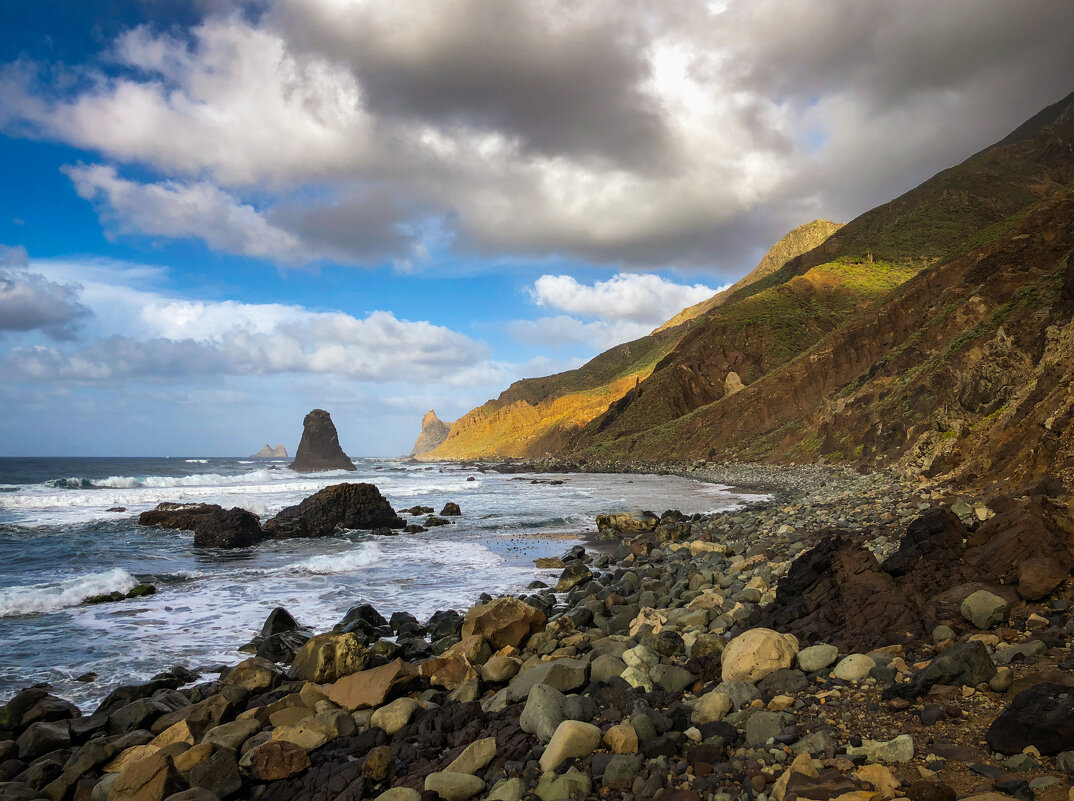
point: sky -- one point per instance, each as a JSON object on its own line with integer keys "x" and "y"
{"x": 216, "y": 215}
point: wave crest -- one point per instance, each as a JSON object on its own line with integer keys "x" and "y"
{"x": 50, "y": 597}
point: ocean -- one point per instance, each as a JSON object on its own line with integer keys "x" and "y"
{"x": 59, "y": 543}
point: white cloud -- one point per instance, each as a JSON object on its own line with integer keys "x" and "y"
{"x": 562, "y": 330}
{"x": 177, "y": 210}
{"x": 638, "y": 298}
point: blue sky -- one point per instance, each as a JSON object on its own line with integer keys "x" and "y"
{"x": 217, "y": 215}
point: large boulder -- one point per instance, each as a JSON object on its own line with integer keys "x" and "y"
{"x": 340, "y": 506}
{"x": 503, "y": 622}
{"x": 152, "y": 778}
{"x": 374, "y": 687}
{"x": 966, "y": 663}
{"x": 1042, "y": 716}
{"x": 319, "y": 448}
{"x": 1038, "y": 577}
{"x": 756, "y": 653}
{"x": 228, "y": 528}
{"x": 329, "y": 657}
{"x": 213, "y": 526}
{"x": 985, "y": 610}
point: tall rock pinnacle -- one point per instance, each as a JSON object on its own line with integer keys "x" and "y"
{"x": 319, "y": 448}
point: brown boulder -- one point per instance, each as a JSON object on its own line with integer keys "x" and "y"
{"x": 319, "y": 448}
{"x": 340, "y": 506}
{"x": 504, "y": 621}
{"x": 450, "y": 670}
{"x": 1022, "y": 529}
{"x": 1038, "y": 577}
{"x": 374, "y": 687}
{"x": 179, "y": 516}
{"x": 153, "y": 778}
{"x": 328, "y": 657}
{"x": 275, "y": 760}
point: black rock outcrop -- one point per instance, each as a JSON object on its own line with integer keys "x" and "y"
{"x": 213, "y": 526}
{"x": 319, "y": 448}
{"x": 1042, "y": 716}
{"x": 340, "y": 506}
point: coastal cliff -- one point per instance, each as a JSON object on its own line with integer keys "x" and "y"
{"x": 279, "y": 452}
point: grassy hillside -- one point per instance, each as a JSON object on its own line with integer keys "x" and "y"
{"x": 799, "y": 240}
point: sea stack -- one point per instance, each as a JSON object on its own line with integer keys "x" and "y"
{"x": 279, "y": 452}
{"x": 319, "y": 448}
{"x": 433, "y": 432}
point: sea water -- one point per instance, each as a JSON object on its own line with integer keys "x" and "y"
{"x": 60, "y": 543}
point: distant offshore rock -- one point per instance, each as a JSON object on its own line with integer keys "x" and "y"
{"x": 433, "y": 432}
{"x": 319, "y": 448}
{"x": 279, "y": 452}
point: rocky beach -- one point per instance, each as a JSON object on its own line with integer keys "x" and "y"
{"x": 855, "y": 636}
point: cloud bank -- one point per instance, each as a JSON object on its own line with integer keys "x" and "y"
{"x": 678, "y": 133}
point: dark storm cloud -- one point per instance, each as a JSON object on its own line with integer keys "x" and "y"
{"x": 637, "y": 133}
{"x": 30, "y": 302}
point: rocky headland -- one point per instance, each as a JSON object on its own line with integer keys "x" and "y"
{"x": 433, "y": 432}
{"x": 279, "y": 452}
{"x": 861, "y": 637}
{"x": 319, "y": 449}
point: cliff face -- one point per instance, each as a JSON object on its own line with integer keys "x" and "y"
{"x": 433, "y": 432}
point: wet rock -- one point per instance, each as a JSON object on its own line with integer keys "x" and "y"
{"x": 254, "y": 675}
{"x": 573, "y": 574}
{"x": 627, "y": 523}
{"x": 756, "y": 653}
{"x": 228, "y": 528}
{"x": 451, "y": 509}
{"x": 503, "y": 622}
{"x": 330, "y": 657}
{"x": 1042, "y": 716}
{"x": 336, "y": 507}
{"x": 985, "y": 610}
{"x": 178, "y": 516}
{"x": 319, "y": 448}
{"x": 41, "y": 738}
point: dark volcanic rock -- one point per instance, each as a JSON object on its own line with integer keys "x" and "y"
{"x": 936, "y": 535}
{"x": 1042, "y": 716}
{"x": 967, "y": 663}
{"x": 213, "y": 526}
{"x": 339, "y": 506}
{"x": 180, "y": 516}
{"x": 836, "y": 593}
{"x": 228, "y": 528}
{"x": 319, "y": 448}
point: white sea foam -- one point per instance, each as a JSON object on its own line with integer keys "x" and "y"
{"x": 50, "y": 597}
{"x": 370, "y": 555}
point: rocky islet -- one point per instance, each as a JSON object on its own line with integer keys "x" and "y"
{"x": 648, "y": 676}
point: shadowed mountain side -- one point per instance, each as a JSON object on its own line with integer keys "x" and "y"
{"x": 965, "y": 370}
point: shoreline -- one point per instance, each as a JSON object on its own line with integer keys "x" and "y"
{"x": 641, "y": 661}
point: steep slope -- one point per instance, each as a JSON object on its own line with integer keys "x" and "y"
{"x": 796, "y": 242}
{"x": 539, "y": 416}
{"x": 965, "y": 372}
{"x": 776, "y": 327}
